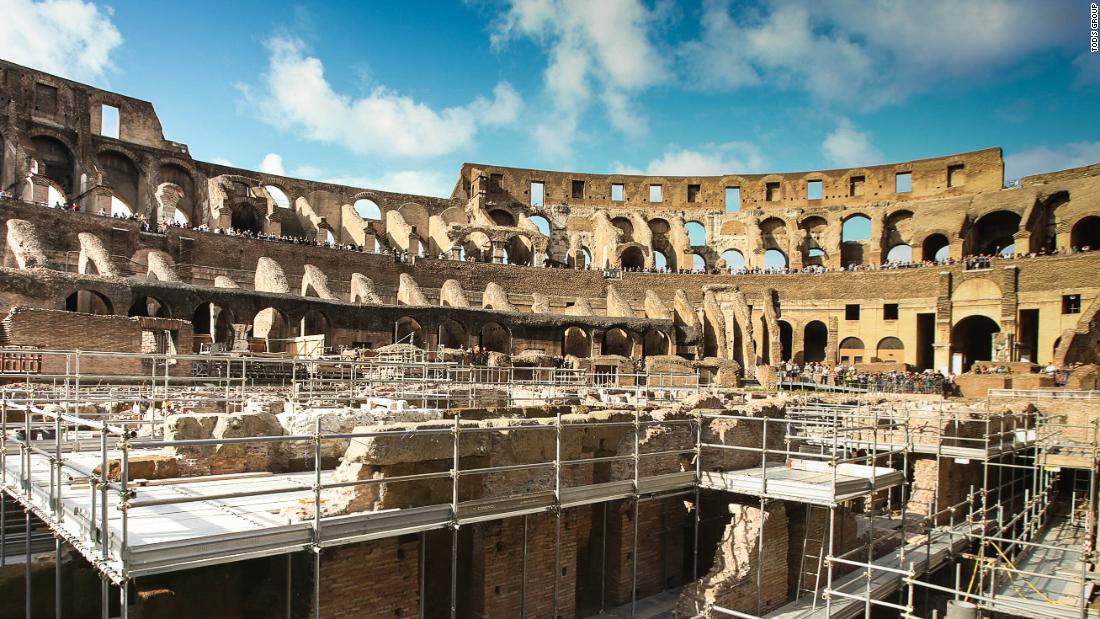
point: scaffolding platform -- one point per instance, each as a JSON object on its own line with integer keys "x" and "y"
{"x": 805, "y": 481}
{"x": 851, "y": 591}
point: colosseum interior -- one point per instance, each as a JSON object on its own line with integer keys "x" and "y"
{"x": 553, "y": 394}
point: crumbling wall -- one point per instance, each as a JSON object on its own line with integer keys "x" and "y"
{"x": 25, "y": 245}
{"x": 159, "y": 266}
{"x": 617, "y": 305}
{"x": 270, "y": 276}
{"x": 496, "y": 298}
{"x": 315, "y": 279}
{"x": 539, "y": 303}
{"x": 93, "y": 252}
{"x": 685, "y": 312}
{"x": 409, "y": 292}
{"x": 226, "y": 458}
{"x": 655, "y": 308}
{"x": 362, "y": 290}
{"x": 580, "y": 307}
{"x": 452, "y": 294}
{"x": 224, "y": 281}
{"x": 732, "y": 581}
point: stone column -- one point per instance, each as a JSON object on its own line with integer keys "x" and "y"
{"x": 240, "y": 337}
{"x": 831, "y": 342}
{"x": 942, "y": 343}
{"x": 498, "y": 252}
{"x": 40, "y": 189}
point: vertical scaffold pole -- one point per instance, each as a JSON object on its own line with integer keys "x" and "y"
{"x": 454, "y": 516}
{"x": 27, "y": 566}
{"x": 557, "y": 509}
{"x": 57, "y": 578}
{"x": 637, "y": 490}
{"x": 316, "y": 518}
{"x": 523, "y": 575}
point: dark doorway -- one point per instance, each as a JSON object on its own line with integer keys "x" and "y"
{"x": 926, "y": 337}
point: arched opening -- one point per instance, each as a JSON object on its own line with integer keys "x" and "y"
{"x": 408, "y": 331}
{"x": 495, "y": 338}
{"x": 575, "y": 342}
{"x": 697, "y": 233}
{"x": 88, "y": 302}
{"x": 993, "y": 234}
{"x": 175, "y": 193}
{"x": 367, "y": 209}
{"x": 936, "y": 247}
{"x": 1086, "y": 233}
{"x": 815, "y": 257}
{"x": 541, "y": 223}
{"x": 659, "y": 227}
{"x": 55, "y": 162}
{"x": 890, "y": 349}
{"x": 477, "y": 247}
{"x": 698, "y": 263}
{"x": 852, "y": 350}
{"x": 278, "y": 196}
{"x": 617, "y": 341}
{"x": 660, "y": 260}
{"x": 586, "y": 258}
{"x": 518, "y": 250}
{"x": 502, "y": 217}
{"x": 148, "y": 306}
{"x": 213, "y": 324}
{"x": 245, "y": 218}
{"x": 775, "y": 259}
{"x": 314, "y": 322}
{"x": 735, "y": 260}
{"x": 272, "y": 326}
{"x": 786, "y": 340}
{"x": 632, "y": 258}
{"x": 972, "y": 340}
{"x": 815, "y": 338}
{"x": 627, "y": 228}
{"x": 854, "y": 233}
{"x": 122, "y": 176}
{"x": 900, "y": 253}
{"x": 656, "y": 343}
{"x": 452, "y": 334}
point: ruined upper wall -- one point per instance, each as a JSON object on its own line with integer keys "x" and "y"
{"x": 951, "y": 175}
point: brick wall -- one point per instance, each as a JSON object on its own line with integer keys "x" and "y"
{"x": 373, "y": 579}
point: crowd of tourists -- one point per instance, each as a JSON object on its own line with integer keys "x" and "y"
{"x": 846, "y": 375}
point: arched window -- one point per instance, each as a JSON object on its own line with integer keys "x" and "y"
{"x": 972, "y": 340}
{"x": 660, "y": 260}
{"x": 575, "y": 342}
{"x": 856, "y": 228}
{"x": 900, "y": 253}
{"x": 697, "y": 233}
{"x": 936, "y": 247}
{"x": 1086, "y": 233}
{"x": 88, "y": 302}
{"x": 734, "y": 259}
{"x": 852, "y": 350}
{"x": 367, "y": 209}
{"x": 815, "y": 338}
{"x": 698, "y": 263}
{"x": 278, "y": 196}
{"x": 148, "y": 306}
{"x": 541, "y": 223}
{"x": 119, "y": 208}
{"x": 775, "y": 259}
{"x": 890, "y": 349}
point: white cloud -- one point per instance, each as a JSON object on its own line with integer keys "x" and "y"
{"x": 223, "y": 161}
{"x": 71, "y": 38}
{"x": 848, "y": 147}
{"x": 273, "y": 164}
{"x": 603, "y": 46}
{"x": 710, "y": 160}
{"x": 866, "y": 55}
{"x": 297, "y": 96}
{"x": 1042, "y": 159}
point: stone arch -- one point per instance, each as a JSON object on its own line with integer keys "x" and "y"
{"x": 314, "y": 322}
{"x": 631, "y": 257}
{"x": 415, "y": 216}
{"x": 815, "y": 340}
{"x": 213, "y": 322}
{"x": 786, "y": 341}
{"x": 86, "y": 301}
{"x": 407, "y": 330}
{"x": 776, "y": 259}
{"x": 626, "y": 227}
{"x": 122, "y": 174}
{"x": 55, "y": 161}
{"x": 697, "y": 233}
{"x": 618, "y": 341}
{"x": 245, "y": 217}
{"x": 279, "y": 196}
{"x": 176, "y": 192}
{"x": 656, "y": 342}
{"x": 271, "y": 325}
{"x": 854, "y": 239}
{"x": 452, "y": 334}
{"x": 936, "y": 246}
{"x": 773, "y": 233}
{"x": 1086, "y": 233}
{"x": 890, "y": 348}
{"x": 476, "y": 245}
{"x": 495, "y": 337}
{"x": 575, "y": 341}
{"x": 503, "y": 217}
{"x": 149, "y": 306}
{"x": 852, "y": 350}
{"x": 733, "y": 259}
{"x": 519, "y": 250}
{"x": 898, "y": 229}
{"x": 368, "y": 209}
{"x": 993, "y": 233}
{"x": 972, "y": 338}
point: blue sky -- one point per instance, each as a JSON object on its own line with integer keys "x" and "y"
{"x": 397, "y": 95}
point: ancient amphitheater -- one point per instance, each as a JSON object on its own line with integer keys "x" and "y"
{"x": 841, "y": 393}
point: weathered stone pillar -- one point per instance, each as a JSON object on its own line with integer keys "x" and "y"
{"x": 831, "y": 343}
{"x": 240, "y": 337}
{"x": 498, "y": 252}
{"x": 942, "y": 344}
{"x": 40, "y": 189}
